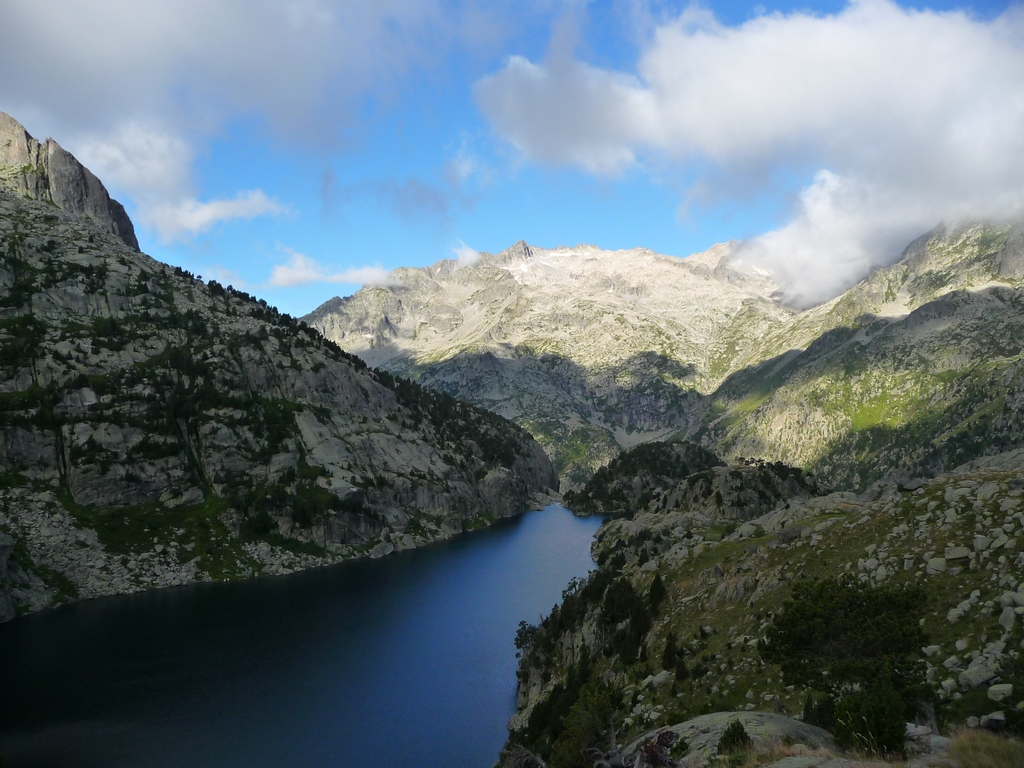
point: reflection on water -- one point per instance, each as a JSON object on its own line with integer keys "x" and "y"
{"x": 405, "y": 661}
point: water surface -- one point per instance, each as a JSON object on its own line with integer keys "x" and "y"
{"x": 404, "y": 661}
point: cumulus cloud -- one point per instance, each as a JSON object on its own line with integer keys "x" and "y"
{"x": 464, "y": 255}
{"x": 137, "y": 87}
{"x": 301, "y": 270}
{"x": 153, "y": 164}
{"x": 189, "y": 217}
{"x": 139, "y": 157}
{"x": 903, "y": 117}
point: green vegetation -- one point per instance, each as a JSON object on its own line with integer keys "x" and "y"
{"x": 614, "y": 488}
{"x": 838, "y": 633}
{"x": 981, "y": 749}
{"x": 860, "y": 644}
{"x": 734, "y": 739}
{"x": 455, "y": 422}
{"x": 872, "y": 720}
{"x": 585, "y": 727}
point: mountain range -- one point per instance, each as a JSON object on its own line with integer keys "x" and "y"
{"x": 158, "y": 430}
{"x": 597, "y": 351}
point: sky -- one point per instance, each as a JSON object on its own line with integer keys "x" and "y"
{"x": 299, "y": 149}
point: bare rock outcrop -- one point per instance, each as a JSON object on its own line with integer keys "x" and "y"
{"x": 46, "y": 171}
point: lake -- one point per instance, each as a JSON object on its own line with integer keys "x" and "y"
{"x": 403, "y": 661}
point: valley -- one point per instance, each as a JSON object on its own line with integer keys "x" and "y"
{"x": 160, "y": 431}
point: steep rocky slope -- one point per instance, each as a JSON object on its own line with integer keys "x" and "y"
{"x": 156, "y": 430}
{"x": 45, "y": 171}
{"x": 713, "y": 580}
{"x": 588, "y": 349}
{"x": 915, "y": 370}
{"x": 597, "y": 351}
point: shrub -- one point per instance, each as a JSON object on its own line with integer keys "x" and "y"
{"x": 872, "y": 720}
{"x": 837, "y": 633}
{"x": 657, "y": 593}
{"x": 670, "y": 654}
{"x": 821, "y": 713}
{"x": 583, "y": 727}
{"x": 734, "y": 739}
{"x": 682, "y": 671}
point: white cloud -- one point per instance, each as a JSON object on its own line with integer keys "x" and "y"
{"x": 153, "y": 165}
{"x": 909, "y": 116}
{"x": 137, "y": 88}
{"x": 188, "y": 217}
{"x": 301, "y": 270}
{"x": 138, "y": 157}
{"x": 464, "y": 255}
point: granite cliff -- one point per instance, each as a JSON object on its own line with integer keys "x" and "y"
{"x": 157, "y": 430}
{"x": 45, "y": 171}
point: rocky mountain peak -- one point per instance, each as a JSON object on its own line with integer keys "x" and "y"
{"x": 518, "y": 252}
{"x": 46, "y": 171}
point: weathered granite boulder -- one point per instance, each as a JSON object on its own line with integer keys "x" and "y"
{"x": 764, "y": 728}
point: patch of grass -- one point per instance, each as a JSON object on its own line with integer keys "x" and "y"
{"x": 65, "y": 589}
{"x": 981, "y": 749}
{"x": 480, "y": 521}
{"x": 294, "y": 546}
{"x": 128, "y": 531}
{"x": 12, "y": 480}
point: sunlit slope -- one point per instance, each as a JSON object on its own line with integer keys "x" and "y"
{"x": 589, "y": 349}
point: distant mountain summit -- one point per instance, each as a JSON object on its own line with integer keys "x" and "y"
{"x": 45, "y": 171}
{"x": 588, "y": 349}
{"x": 596, "y": 351}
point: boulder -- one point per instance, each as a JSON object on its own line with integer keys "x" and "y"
{"x": 1007, "y": 618}
{"x": 765, "y": 729}
{"x": 975, "y": 676}
{"x": 1000, "y": 691}
{"x": 789, "y": 534}
{"x": 993, "y": 720}
{"x": 384, "y": 548}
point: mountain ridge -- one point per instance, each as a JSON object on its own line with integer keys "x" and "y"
{"x": 699, "y": 346}
{"x": 534, "y": 332}
{"x": 157, "y": 430}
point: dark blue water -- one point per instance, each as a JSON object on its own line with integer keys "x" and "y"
{"x": 404, "y": 661}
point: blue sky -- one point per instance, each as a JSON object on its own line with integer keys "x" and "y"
{"x": 299, "y": 148}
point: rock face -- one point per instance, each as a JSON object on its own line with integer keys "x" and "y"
{"x": 157, "y": 430}
{"x": 6, "y": 550}
{"x": 915, "y": 370}
{"x": 45, "y": 171}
